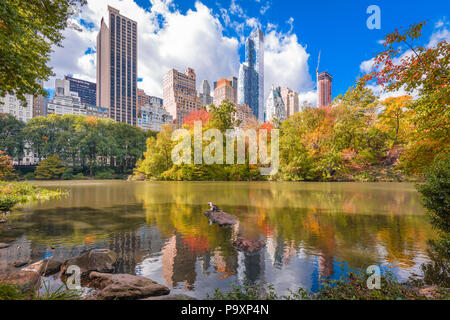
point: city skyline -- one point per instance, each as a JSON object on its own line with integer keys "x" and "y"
{"x": 163, "y": 43}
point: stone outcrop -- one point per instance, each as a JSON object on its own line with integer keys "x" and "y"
{"x": 100, "y": 260}
{"x": 124, "y": 287}
{"x": 219, "y": 217}
{"x": 25, "y": 279}
{"x": 3, "y": 245}
{"x": 249, "y": 246}
{"x": 52, "y": 267}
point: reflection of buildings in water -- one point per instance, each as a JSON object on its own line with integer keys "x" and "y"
{"x": 289, "y": 251}
{"x": 226, "y": 265}
{"x": 178, "y": 263}
{"x": 275, "y": 248}
{"x": 326, "y": 267}
{"x": 134, "y": 246}
{"x": 254, "y": 267}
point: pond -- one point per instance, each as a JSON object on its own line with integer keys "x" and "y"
{"x": 312, "y": 231}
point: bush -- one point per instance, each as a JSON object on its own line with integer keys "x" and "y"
{"x": 106, "y": 174}
{"x": 29, "y": 176}
{"x": 67, "y": 174}
{"x": 79, "y": 176}
{"x": 436, "y": 193}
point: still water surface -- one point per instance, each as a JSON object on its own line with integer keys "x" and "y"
{"x": 312, "y": 230}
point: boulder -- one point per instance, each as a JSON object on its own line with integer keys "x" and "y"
{"x": 249, "y": 246}
{"x": 53, "y": 267}
{"x": 101, "y": 260}
{"x": 3, "y": 221}
{"x": 20, "y": 264}
{"x": 171, "y": 297}
{"x": 430, "y": 292}
{"x": 3, "y": 245}
{"x": 124, "y": 287}
{"x": 37, "y": 267}
{"x": 25, "y": 279}
{"x": 216, "y": 215}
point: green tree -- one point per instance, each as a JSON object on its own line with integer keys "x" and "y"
{"x": 436, "y": 193}
{"x": 11, "y": 136}
{"x": 28, "y": 31}
{"x": 223, "y": 117}
{"x": 50, "y": 168}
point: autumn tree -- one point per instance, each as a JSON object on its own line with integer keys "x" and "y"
{"x": 424, "y": 71}
{"x": 6, "y": 166}
{"x": 393, "y": 119}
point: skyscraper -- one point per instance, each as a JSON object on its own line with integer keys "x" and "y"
{"x": 205, "y": 94}
{"x": 180, "y": 94}
{"x": 324, "y": 80}
{"x": 290, "y": 99}
{"x": 275, "y": 108}
{"x": 251, "y": 75}
{"x": 224, "y": 90}
{"x": 87, "y": 91}
{"x": 117, "y": 67}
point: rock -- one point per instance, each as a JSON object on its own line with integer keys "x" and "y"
{"x": 124, "y": 287}
{"x": 101, "y": 260}
{"x": 250, "y": 246}
{"x": 4, "y": 245}
{"x": 216, "y": 215}
{"x": 37, "y": 267}
{"x": 27, "y": 280}
{"x": 430, "y": 292}
{"x": 20, "y": 264}
{"x": 171, "y": 297}
{"x": 53, "y": 267}
{"x": 3, "y": 221}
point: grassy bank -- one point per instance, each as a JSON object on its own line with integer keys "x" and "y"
{"x": 13, "y": 193}
{"x": 353, "y": 287}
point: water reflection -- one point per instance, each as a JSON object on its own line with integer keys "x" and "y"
{"x": 312, "y": 231}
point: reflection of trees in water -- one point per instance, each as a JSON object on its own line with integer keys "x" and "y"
{"x": 332, "y": 221}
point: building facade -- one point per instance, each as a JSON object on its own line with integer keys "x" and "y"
{"x": 153, "y": 117}
{"x": 251, "y": 75}
{"x": 324, "y": 80}
{"x": 12, "y": 105}
{"x": 205, "y": 94}
{"x": 245, "y": 116}
{"x": 40, "y": 103}
{"x": 275, "y": 109}
{"x": 117, "y": 67}
{"x": 180, "y": 94}
{"x": 291, "y": 102}
{"x": 87, "y": 91}
{"x": 142, "y": 98}
{"x": 224, "y": 90}
{"x": 71, "y": 104}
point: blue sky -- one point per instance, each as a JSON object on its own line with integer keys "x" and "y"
{"x": 209, "y": 34}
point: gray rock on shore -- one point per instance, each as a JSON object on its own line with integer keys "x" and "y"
{"x": 124, "y": 287}
{"x": 100, "y": 260}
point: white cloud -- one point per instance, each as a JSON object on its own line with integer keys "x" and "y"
{"x": 169, "y": 39}
{"x": 309, "y": 97}
{"x": 367, "y": 66}
{"x": 166, "y": 39}
{"x": 286, "y": 62}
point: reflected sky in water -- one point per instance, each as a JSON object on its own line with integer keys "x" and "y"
{"x": 312, "y": 231}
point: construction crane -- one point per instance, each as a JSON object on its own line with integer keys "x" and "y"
{"x": 317, "y": 70}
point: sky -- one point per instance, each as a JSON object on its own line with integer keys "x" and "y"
{"x": 209, "y": 36}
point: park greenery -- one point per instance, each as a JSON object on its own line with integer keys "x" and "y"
{"x": 73, "y": 146}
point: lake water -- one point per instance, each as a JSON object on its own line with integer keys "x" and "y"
{"x": 312, "y": 231}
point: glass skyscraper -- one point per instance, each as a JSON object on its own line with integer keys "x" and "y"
{"x": 251, "y": 75}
